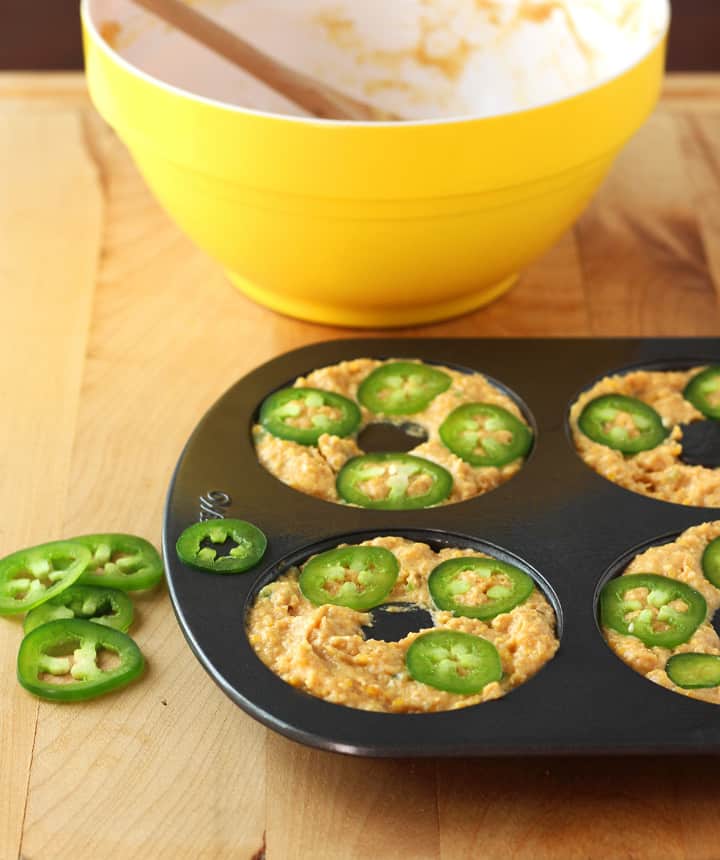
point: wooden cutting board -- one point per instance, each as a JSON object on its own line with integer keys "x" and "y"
{"x": 117, "y": 335}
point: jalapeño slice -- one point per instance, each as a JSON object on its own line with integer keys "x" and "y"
{"x": 393, "y": 482}
{"x": 358, "y": 577}
{"x": 485, "y": 435}
{"x": 107, "y": 606}
{"x": 402, "y": 388}
{"x": 453, "y": 661}
{"x": 222, "y": 546}
{"x": 478, "y": 587}
{"x": 625, "y": 424}
{"x": 29, "y": 577}
{"x": 91, "y": 659}
{"x": 694, "y": 671}
{"x": 663, "y": 612}
{"x": 711, "y": 562}
{"x": 303, "y": 415}
{"x": 121, "y": 561}
{"x": 703, "y": 391}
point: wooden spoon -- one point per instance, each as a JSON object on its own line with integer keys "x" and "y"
{"x": 316, "y": 98}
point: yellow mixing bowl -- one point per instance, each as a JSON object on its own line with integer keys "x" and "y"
{"x": 370, "y": 225}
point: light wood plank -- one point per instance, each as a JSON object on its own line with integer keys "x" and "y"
{"x": 63, "y": 89}
{"x": 182, "y": 765}
{"x": 555, "y": 809}
{"x": 47, "y": 277}
{"x": 691, "y": 91}
{"x": 548, "y": 301}
{"x": 577, "y": 809}
{"x": 700, "y": 830}
{"x": 330, "y": 807}
{"x": 700, "y": 137}
{"x": 644, "y": 263}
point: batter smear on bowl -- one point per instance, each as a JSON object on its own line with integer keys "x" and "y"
{"x": 477, "y": 437}
{"x": 499, "y": 629}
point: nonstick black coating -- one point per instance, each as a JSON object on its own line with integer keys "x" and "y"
{"x": 556, "y": 515}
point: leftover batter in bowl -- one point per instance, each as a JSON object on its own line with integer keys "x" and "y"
{"x": 472, "y": 437}
{"x": 496, "y": 631}
{"x": 657, "y": 616}
{"x": 420, "y": 59}
{"x": 629, "y": 429}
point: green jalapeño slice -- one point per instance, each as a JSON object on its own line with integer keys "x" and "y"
{"x": 121, "y": 561}
{"x": 657, "y": 610}
{"x": 402, "y": 388}
{"x": 703, "y": 391}
{"x": 106, "y": 606}
{"x": 72, "y": 660}
{"x": 478, "y": 587}
{"x": 485, "y": 435}
{"x": 623, "y": 423}
{"x": 222, "y": 546}
{"x": 694, "y": 671}
{"x": 393, "y": 482}
{"x": 303, "y": 415}
{"x": 359, "y": 577}
{"x": 32, "y": 576}
{"x": 711, "y": 562}
{"x": 453, "y": 661}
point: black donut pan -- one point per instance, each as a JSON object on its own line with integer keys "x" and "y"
{"x": 557, "y": 515}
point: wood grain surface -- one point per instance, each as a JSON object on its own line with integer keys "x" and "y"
{"x": 117, "y": 334}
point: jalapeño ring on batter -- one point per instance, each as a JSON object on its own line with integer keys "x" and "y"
{"x": 654, "y": 430}
{"x": 467, "y": 435}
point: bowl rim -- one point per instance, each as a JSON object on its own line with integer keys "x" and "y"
{"x": 86, "y": 15}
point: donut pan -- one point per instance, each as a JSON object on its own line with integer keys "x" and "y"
{"x": 567, "y": 526}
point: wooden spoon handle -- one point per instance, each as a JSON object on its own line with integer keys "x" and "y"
{"x": 306, "y": 92}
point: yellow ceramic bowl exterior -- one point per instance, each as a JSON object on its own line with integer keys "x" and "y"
{"x": 370, "y": 225}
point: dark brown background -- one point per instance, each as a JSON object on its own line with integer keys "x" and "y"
{"x": 45, "y": 34}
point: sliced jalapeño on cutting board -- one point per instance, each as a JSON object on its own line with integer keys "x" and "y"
{"x": 121, "y": 561}
{"x": 29, "y": 577}
{"x": 72, "y": 659}
{"x": 108, "y": 606}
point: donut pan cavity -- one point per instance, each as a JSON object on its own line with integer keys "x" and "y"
{"x": 560, "y": 520}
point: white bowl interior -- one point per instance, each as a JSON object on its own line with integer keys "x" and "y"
{"x": 422, "y": 59}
